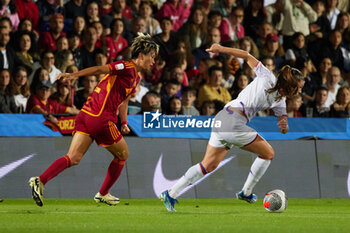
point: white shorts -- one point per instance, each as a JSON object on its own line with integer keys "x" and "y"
{"x": 232, "y": 132}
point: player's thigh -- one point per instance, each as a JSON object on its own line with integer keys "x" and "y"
{"x": 261, "y": 147}
{"x": 78, "y": 147}
{"x": 213, "y": 156}
{"x": 119, "y": 149}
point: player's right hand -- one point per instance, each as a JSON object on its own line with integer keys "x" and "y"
{"x": 215, "y": 48}
{"x": 65, "y": 77}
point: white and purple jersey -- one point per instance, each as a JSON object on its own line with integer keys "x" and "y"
{"x": 255, "y": 98}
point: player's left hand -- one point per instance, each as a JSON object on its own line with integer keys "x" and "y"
{"x": 283, "y": 125}
{"x": 125, "y": 129}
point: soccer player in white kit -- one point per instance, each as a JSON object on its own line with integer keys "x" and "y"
{"x": 264, "y": 92}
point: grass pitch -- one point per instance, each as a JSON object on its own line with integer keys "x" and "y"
{"x": 193, "y": 215}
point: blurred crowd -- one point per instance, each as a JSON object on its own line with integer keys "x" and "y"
{"x": 40, "y": 39}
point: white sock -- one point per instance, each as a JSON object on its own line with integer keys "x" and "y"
{"x": 192, "y": 175}
{"x": 257, "y": 170}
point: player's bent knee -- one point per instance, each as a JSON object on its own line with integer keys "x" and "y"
{"x": 75, "y": 159}
{"x": 268, "y": 154}
{"x": 123, "y": 155}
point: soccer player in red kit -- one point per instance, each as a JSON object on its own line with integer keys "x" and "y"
{"x": 97, "y": 118}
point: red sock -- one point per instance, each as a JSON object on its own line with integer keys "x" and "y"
{"x": 114, "y": 170}
{"x": 56, "y": 168}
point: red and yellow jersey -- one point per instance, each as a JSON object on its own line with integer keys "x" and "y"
{"x": 112, "y": 90}
{"x": 49, "y": 106}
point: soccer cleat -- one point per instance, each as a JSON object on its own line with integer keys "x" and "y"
{"x": 37, "y": 190}
{"x": 251, "y": 198}
{"x": 168, "y": 201}
{"x": 108, "y": 199}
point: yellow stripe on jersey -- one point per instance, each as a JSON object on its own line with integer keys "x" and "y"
{"x": 109, "y": 87}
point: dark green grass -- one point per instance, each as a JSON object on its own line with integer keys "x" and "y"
{"x": 193, "y": 215}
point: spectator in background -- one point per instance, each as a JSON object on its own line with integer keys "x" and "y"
{"x": 298, "y": 49}
{"x": 47, "y": 40}
{"x": 343, "y": 22}
{"x": 293, "y": 106}
{"x": 79, "y": 25}
{"x": 195, "y": 29}
{"x": 328, "y": 48}
{"x": 208, "y": 7}
{"x": 297, "y": 17}
{"x": 174, "y": 106}
{"x": 92, "y": 13}
{"x": 26, "y": 25}
{"x": 73, "y": 42}
{"x": 19, "y": 88}
{"x": 137, "y": 26}
{"x": 269, "y": 63}
{"x": 332, "y": 84}
{"x": 134, "y": 106}
{"x": 99, "y": 29}
{"x": 88, "y": 50}
{"x": 62, "y": 44}
{"x": 47, "y": 8}
{"x": 7, "y": 101}
{"x": 169, "y": 90}
{"x": 332, "y": 12}
{"x": 40, "y": 74}
{"x": 8, "y": 57}
{"x": 28, "y": 9}
{"x": 117, "y": 12}
{"x": 172, "y": 9}
{"x": 247, "y": 44}
{"x": 318, "y": 108}
{"x": 25, "y": 51}
{"x": 150, "y": 102}
{"x": 208, "y": 108}
{"x": 345, "y": 48}
{"x": 63, "y": 59}
{"x": 341, "y": 107}
{"x": 254, "y": 16}
{"x": 306, "y": 67}
{"x": 166, "y": 39}
{"x": 40, "y": 103}
{"x": 224, "y": 6}
{"x": 343, "y": 5}
{"x": 74, "y": 8}
{"x": 64, "y": 94}
{"x": 213, "y": 89}
{"x": 188, "y": 95}
{"x": 135, "y": 7}
{"x": 152, "y": 25}
{"x": 231, "y": 28}
{"x": 215, "y": 20}
{"x": 115, "y": 43}
{"x": 274, "y": 49}
{"x": 105, "y": 7}
{"x": 274, "y": 15}
{"x": 241, "y": 81}
{"x": 319, "y": 78}
{"x": 201, "y": 53}
{"x": 47, "y": 62}
{"x": 8, "y": 9}
{"x": 264, "y": 30}
{"x": 321, "y": 27}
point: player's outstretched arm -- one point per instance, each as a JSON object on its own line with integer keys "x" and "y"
{"x": 95, "y": 70}
{"x": 252, "y": 61}
{"x": 283, "y": 124}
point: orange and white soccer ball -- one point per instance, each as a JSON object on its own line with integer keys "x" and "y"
{"x": 275, "y": 201}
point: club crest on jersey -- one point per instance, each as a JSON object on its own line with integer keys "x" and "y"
{"x": 128, "y": 91}
{"x": 119, "y": 66}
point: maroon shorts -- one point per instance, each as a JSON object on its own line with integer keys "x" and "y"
{"x": 99, "y": 128}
